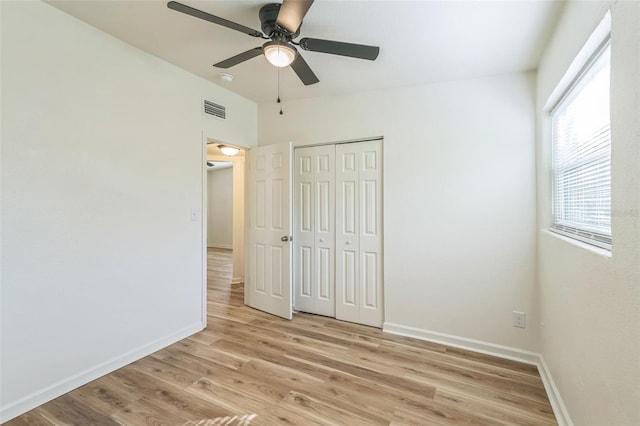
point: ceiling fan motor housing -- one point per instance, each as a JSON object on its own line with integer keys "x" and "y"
{"x": 268, "y": 15}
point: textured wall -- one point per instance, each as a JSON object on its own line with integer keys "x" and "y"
{"x": 590, "y": 300}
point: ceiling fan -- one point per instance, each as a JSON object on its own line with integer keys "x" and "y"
{"x": 281, "y": 25}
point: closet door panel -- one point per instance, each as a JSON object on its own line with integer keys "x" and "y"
{"x": 359, "y": 237}
{"x": 347, "y": 230}
{"x": 349, "y": 284}
{"x": 305, "y": 261}
{"x": 371, "y": 310}
{"x": 314, "y": 237}
{"x": 303, "y": 237}
{"x": 325, "y": 273}
{"x": 325, "y": 178}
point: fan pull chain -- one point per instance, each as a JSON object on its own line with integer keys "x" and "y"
{"x": 278, "y": 100}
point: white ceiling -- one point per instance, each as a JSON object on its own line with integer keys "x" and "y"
{"x": 420, "y": 41}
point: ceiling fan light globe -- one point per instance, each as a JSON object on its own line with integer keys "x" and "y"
{"x": 228, "y": 150}
{"x": 279, "y": 54}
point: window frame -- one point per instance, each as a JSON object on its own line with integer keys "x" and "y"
{"x": 583, "y": 234}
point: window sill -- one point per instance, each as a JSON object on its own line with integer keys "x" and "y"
{"x": 593, "y": 249}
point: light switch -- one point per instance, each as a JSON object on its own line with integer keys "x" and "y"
{"x": 194, "y": 214}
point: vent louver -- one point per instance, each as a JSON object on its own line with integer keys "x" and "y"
{"x": 212, "y": 108}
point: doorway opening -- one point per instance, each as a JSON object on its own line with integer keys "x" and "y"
{"x": 223, "y": 223}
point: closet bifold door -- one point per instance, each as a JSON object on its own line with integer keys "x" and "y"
{"x": 359, "y": 233}
{"x": 314, "y": 230}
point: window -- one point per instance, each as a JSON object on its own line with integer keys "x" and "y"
{"x": 581, "y": 155}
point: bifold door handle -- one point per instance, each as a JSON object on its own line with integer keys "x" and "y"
{"x": 286, "y": 238}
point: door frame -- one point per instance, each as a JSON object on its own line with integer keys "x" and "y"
{"x": 294, "y": 225}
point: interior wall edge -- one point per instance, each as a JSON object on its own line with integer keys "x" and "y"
{"x": 500, "y": 351}
{"x": 55, "y": 390}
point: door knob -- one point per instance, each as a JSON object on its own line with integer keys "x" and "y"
{"x": 286, "y": 238}
{"x": 322, "y": 240}
{"x": 348, "y": 242}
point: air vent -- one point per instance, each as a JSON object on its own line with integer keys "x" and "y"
{"x": 211, "y": 108}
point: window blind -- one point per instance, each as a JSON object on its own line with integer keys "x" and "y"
{"x": 581, "y": 156}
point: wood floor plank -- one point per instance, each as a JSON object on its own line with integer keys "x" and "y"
{"x": 475, "y": 383}
{"x": 238, "y": 402}
{"x": 355, "y": 403}
{"x": 388, "y": 397}
{"x": 274, "y": 357}
{"x": 32, "y": 418}
{"x": 383, "y": 379}
{"x": 492, "y": 360}
{"x": 170, "y": 373}
{"x": 204, "y": 363}
{"x": 143, "y": 413}
{"x": 268, "y": 392}
{"x": 269, "y": 371}
{"x": 250, "y": 368}
{"x": 105, "y": 396}
{"x": 171, "y": 398}
{"x": 328, "y": 414}
{"x": 302, "y": 333}
{"x": 489, "y": 409}
{"x": 261, "y": 330}
{"x": 68, "y": 410}
{"x": 205, "y": 337}
{"x": 417, "y": 357}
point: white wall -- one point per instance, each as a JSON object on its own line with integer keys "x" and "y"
{"x": 590, "y": 303}
{"x": 102, "y": 161}
{"x": 220, "y": 208}
{"x": 459, "y": 198}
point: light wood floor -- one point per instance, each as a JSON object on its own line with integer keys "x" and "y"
{"x": 249, "y": 368}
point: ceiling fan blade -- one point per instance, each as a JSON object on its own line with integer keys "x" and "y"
{"x": 212, "y": 18}
{"x": 351, "y": 50}
{"x": 303, "y": 71}
{"x": 235, "y": 60}
{"x": 292, "y": 13}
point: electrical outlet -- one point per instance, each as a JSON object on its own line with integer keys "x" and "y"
{"x": 519, "y": 319}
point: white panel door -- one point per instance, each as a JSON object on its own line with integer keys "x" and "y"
{"x": 359, "y": 233}
{"x": 268, "y": 272}
{"x": 314, "y": 218}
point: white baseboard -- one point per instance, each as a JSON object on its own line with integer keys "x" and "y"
{"x": 500, "y": 351}
{"x": 53, "y": 391}
{"x": 237, "y": 280}
{"x": 559, "y": 409}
